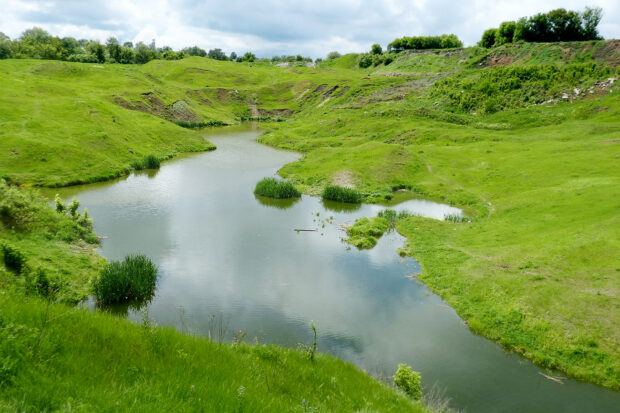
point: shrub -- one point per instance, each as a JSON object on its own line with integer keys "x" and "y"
{"x": 275, "y": 188}
{"x": 133, "y": 279}
{"x": 148, "y": 162}
{"x": 340, "y": 194}
{"x": 488, "y": 38}
{"x": 408, "y": 381}
{"x": 14, "y": 259}
{"x": 455, "y": 218}
{"x": 365, "y": 61}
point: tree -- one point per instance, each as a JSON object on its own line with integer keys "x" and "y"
{"x": 5, "y": 46}
{"x": 114, "y": 49}
{"x": 376, "y": 49}
{"x": 233, "y": 56}
{"x": 71, "y": 46}
{"x": 126, "y": 55}
{"x": 128, "y": 44}
{"x": 488, "y": 38}
{"x": 249, "y": 57}
{"x": 591, "y": 17}
{"x": 39, "y": 44}
{"x": 217, "y": 54}
{"x": 195, "y": 51}
{"x": 565, "y": 25}
{"x": 333, "y": 55}
{"x": 96, "y": 49}
{"x": 505, "y": 33}
{"x": 143, "y": 53}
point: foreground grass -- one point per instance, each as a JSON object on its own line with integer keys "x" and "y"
{"x": 95, "y": 362}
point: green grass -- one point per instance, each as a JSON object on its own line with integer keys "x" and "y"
{"x": 341, "y": 194}
{"x": 61, "y": 358}
{"x": 537, "y": 267}
{"x": 276, "y": 188}
{"x": 365, "y": 232}
{"x": 133, "y": 279}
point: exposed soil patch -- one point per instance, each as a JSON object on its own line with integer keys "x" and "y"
{"x": 344, "y": 178}
{"x": 152, "y": 104}
{"x": 275, "y": 113}
{"x": 200, "y": 96}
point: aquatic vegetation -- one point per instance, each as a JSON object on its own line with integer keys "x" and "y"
{"x": 148, "y": 162}
{"x": 455, "y": 218}
{"x": 133, "y": 279}
{"x": 276, "y": 188}
{"x": 341, "y": 194}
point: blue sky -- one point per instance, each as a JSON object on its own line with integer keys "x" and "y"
{"x": 274, "y": 27}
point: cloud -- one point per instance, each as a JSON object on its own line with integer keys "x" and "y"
{"x": 269, "y": 27}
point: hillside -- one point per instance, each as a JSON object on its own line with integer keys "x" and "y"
{"x": 524, "y": 138}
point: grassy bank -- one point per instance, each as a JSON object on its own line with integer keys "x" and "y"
{"x": 64, "y": 359}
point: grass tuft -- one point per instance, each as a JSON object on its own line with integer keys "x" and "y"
{"x": 149, "y": 162}
{"x": 133, "y": 279}
{"x": 341, "y": 194}
{"x": 275, "y": 188}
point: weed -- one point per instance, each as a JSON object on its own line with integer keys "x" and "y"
{"x": 133, "y": 279}
{"x": 455, "y": 218}
{"x": 341, "y": 194}
{"x": 275, "y": 188}
{"x": 148, "y": 162}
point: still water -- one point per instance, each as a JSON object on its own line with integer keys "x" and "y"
{"x": 230, "y": 261}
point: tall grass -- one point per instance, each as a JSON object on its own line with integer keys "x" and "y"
{"x": 341, "y": 194}
{"x": 455, "y": 218}
{"x": 133, "y": 279}
{"x": 196, "y": 125}
{"x": 148, "y": 162}
{"x": 275, "y": 188}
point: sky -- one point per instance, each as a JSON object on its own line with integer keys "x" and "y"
{"x": 275, "y": 27}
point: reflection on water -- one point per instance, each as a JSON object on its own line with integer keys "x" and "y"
{"x": 224, "y": 256}
{"x": 276, "y": 203}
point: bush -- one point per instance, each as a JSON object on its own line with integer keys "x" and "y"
{"x": 133, "y": 279}
{"x": 340, "y": 194}
{"x": 275, "y": 188}
{"x": 408, "y": 381}
{"x": 488, "y": 38}
{"x": 365, "y": 61}
{"x": 148, "y": 162}
{"x": 445, "y": 41}
{"x": 14, "y": 259}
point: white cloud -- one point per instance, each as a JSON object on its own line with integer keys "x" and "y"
{"x": 272, "y": 27}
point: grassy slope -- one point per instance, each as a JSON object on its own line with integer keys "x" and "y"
{"x": 88, "y": 362}
{"x": 537, "y": 270}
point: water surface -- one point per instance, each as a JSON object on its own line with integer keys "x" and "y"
{"x": 231, "y": 261}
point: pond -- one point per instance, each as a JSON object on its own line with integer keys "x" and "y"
{"x": 230, "y": 261}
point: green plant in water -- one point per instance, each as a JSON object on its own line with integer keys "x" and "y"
{"x": 341, "y": 194}
{"x": 133, "y": 279}
{"x": 148, "y": 162}
{"x": 408, "y": 381}
{"x": 455, "y": 218}
{"x": 275, "y": 188}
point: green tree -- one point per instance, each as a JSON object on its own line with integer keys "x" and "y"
{"x": 249, "y": 57}
{"x": 39, "y": 44}
{"x": 96, "y": 49}
{"x": 591, "y": 17}
{"x": 505, "y": 33}
{"x": 488, "y": 38}
{"x": 376, "y": 49}
{"x": 333, "y": 55}
{"x": 233, "y": 56}
{"x": 195, "y": 51}
{"x": 365, "y": 61}
{"x": 5, "y": 47}
{"x": 217, "y": 54}
{"x": 143, "y": 53}
{"x": 126, "y": 55}
{"x": 114, "y": 49}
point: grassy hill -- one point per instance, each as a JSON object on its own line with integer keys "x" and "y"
{"x": 524, "y": 138}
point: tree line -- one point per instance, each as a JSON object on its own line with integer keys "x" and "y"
{"x": 559, "y": 25}
{"x": 37, "y": 43}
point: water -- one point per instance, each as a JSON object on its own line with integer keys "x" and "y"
{"x": 231, "y": 261}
